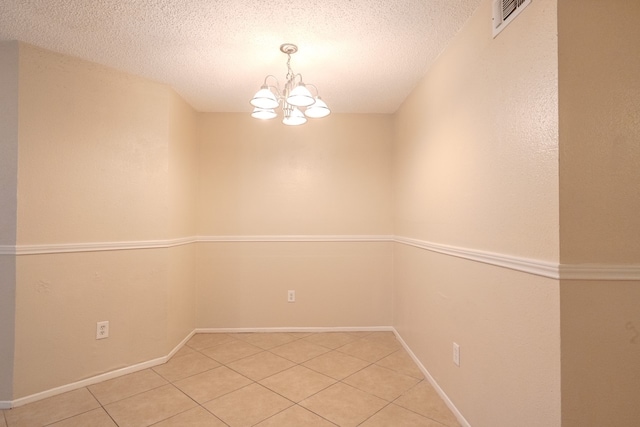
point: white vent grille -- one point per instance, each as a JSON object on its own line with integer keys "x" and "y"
{"x": 505, "y": 11}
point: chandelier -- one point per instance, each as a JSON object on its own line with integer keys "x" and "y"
{"x": 292, "y": 99}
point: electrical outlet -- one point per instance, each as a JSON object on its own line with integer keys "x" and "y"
{"x": 102, "y": 330}
{"x": 291, "y": 296}
{"x": 456, "y": 354}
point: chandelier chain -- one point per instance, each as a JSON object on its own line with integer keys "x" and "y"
{"x": 289, "y": 70}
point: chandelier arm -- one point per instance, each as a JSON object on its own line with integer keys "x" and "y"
{"x": 267, "y": 78}
{"x": 276, "y": 87}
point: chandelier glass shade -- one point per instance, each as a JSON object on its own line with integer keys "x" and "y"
{"x": 295, "y": 99}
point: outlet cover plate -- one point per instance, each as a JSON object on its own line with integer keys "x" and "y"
{"x": 102, "y": 330}
{"x": 456, "y": 354}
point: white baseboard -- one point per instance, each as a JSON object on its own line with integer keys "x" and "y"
{"x": 155, "y": 362}
{"x": 96, "y": 379}
{"x": 181, "y": 344}
{"x": 160, "y": 360}
{"x": 88, "y": 381}
{"x": 433, "y": 382}
{"x": 297, "y": 329}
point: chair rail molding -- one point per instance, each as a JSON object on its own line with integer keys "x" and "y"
{"x": 552, "y": 270}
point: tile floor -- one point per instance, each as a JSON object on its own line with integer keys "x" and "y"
{"x": 262, "y": 379}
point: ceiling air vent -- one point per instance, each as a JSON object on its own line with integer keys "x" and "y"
{"x": 505, "y": 11}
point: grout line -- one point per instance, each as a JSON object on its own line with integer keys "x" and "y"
{"x": 296, "y": 339}
{"x": 66, "y": 418}
{"x": 108, "y": 414}
{"x": 411, "y": 410}
{"x": 429, "y": 378}
{"x": 182, "y": 412}
{"x": 257, "y": 382}
{"x": 375, "y": 413}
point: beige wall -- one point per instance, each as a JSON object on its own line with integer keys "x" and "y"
{"x": 181, "y": 294}
{"x": 331, "y": 177}
{"x": 476, "y": 152}
{"x": 476, "y": 167}
{"x": 60, "y": 298}
{"x": 8, "y": 209}
{"x": 328, "y": 177}
{"x": 8, "y": 141}
{"x": 337, "y": 284}
{"x": 103, "y": 157}
{"x": 599, "y": 130}
{"x": 506, "y": 323}
{"x": 599, "y": 74}
{"x": 183, "y": 185}
{"x": 93, "y": 153}
{"x": 600, "y": 353}
{"x": 183, "y": 164}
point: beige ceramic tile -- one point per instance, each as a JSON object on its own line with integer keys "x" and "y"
{"x": 247, "y": 406}
{"x": 185, "y": 366}
{"x": 297, "y": 383}
{"x": 196, "y": 417}
{"x": 336, "y": 365}
{"x": 184, "y": 351}
{"x": 359, "y": 334}
{"x": 299, "y": 351}
{"x": 266, "y": 340}
{"x": 384, "y": 338}
{"x": 211, "y": 384}
{"x": 96, "y": 418}
{"x": 401, "y": 362}
{"x": 240, "y": 335}
{"x": 261, "y": 365}
{"x": 3, "y": 422}
{"x": 149, "y": 407}
{"x": 299, "y": 335}
{"x": 381, "y": 382}
{"x": 424, "y": 400}
{"x": 344, "y": 405}
{"x": 228, "y": 352}
{"x": 52, "y": 409}
{"x": 126, "y": 386}
{"x": 296, "y": 416}
{"x": 396, "y": 416}
{"x": 202, "y": 341}
{"x": 370, "y": 351}
{"x": 331, "y": 340}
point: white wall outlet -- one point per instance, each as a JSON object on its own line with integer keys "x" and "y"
{"x": 291, "y": 296}
{"x": 102, "y": 330}
{"x": 456, "y": 354}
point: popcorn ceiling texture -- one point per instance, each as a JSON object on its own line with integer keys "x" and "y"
{"x": 364, "y": 56}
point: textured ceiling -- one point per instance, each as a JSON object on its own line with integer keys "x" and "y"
{"x": 364, "y": 56}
